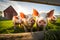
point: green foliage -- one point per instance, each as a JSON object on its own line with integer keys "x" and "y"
{"x": 6, "y": 26}
{"x": 52, "y": 35}
{"x": 53, "y": 31}
{"x": 54, "y": 26}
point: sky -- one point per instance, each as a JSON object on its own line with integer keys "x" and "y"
{"x": 27, "y": 7}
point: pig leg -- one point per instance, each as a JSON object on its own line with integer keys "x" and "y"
{"x": 15, "y": 25}
{"x": 31, "y": 29}
{"x": 25, "y": 28}
{"x": 37, "y": 27}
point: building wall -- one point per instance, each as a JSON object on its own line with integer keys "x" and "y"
{"x": 9, "y": 13}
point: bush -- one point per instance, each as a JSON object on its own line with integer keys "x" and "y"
{"x": 52, "y": 35}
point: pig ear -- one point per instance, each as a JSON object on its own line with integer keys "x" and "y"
{"x": 22, "y": 15}
{"x": 49, "y": 14}
{"x": 15, "y": 17}
{"x": 35, "y": 12}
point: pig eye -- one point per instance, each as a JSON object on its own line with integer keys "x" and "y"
{"x": 44, "y": 22}
{"x": 16, "y": 17}
{"x": 39, "y": 21}
{"x": 32, "y": 21}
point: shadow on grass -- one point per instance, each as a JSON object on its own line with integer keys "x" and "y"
{"x": 12, "y": 30}
{"x": 57, "y": 24}
{"x": 17, "y": 30}
{"x": 4, "y": 19}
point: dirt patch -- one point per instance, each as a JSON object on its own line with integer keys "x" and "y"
{"x": 23, "y": 36}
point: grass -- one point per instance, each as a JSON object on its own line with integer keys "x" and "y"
{"x": 6, "y": 23}
{"x": 6, "y": 26}
{"x": 54, "y": 26}
{"x": 52, "y": 33}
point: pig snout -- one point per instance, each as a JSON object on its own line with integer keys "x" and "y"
{"x": 42, "y": 23}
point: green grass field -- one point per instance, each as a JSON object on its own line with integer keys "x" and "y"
{"x": 52, "y": 33}
{"x": 55, "y": 25}
{"x": 6, "y": 26}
